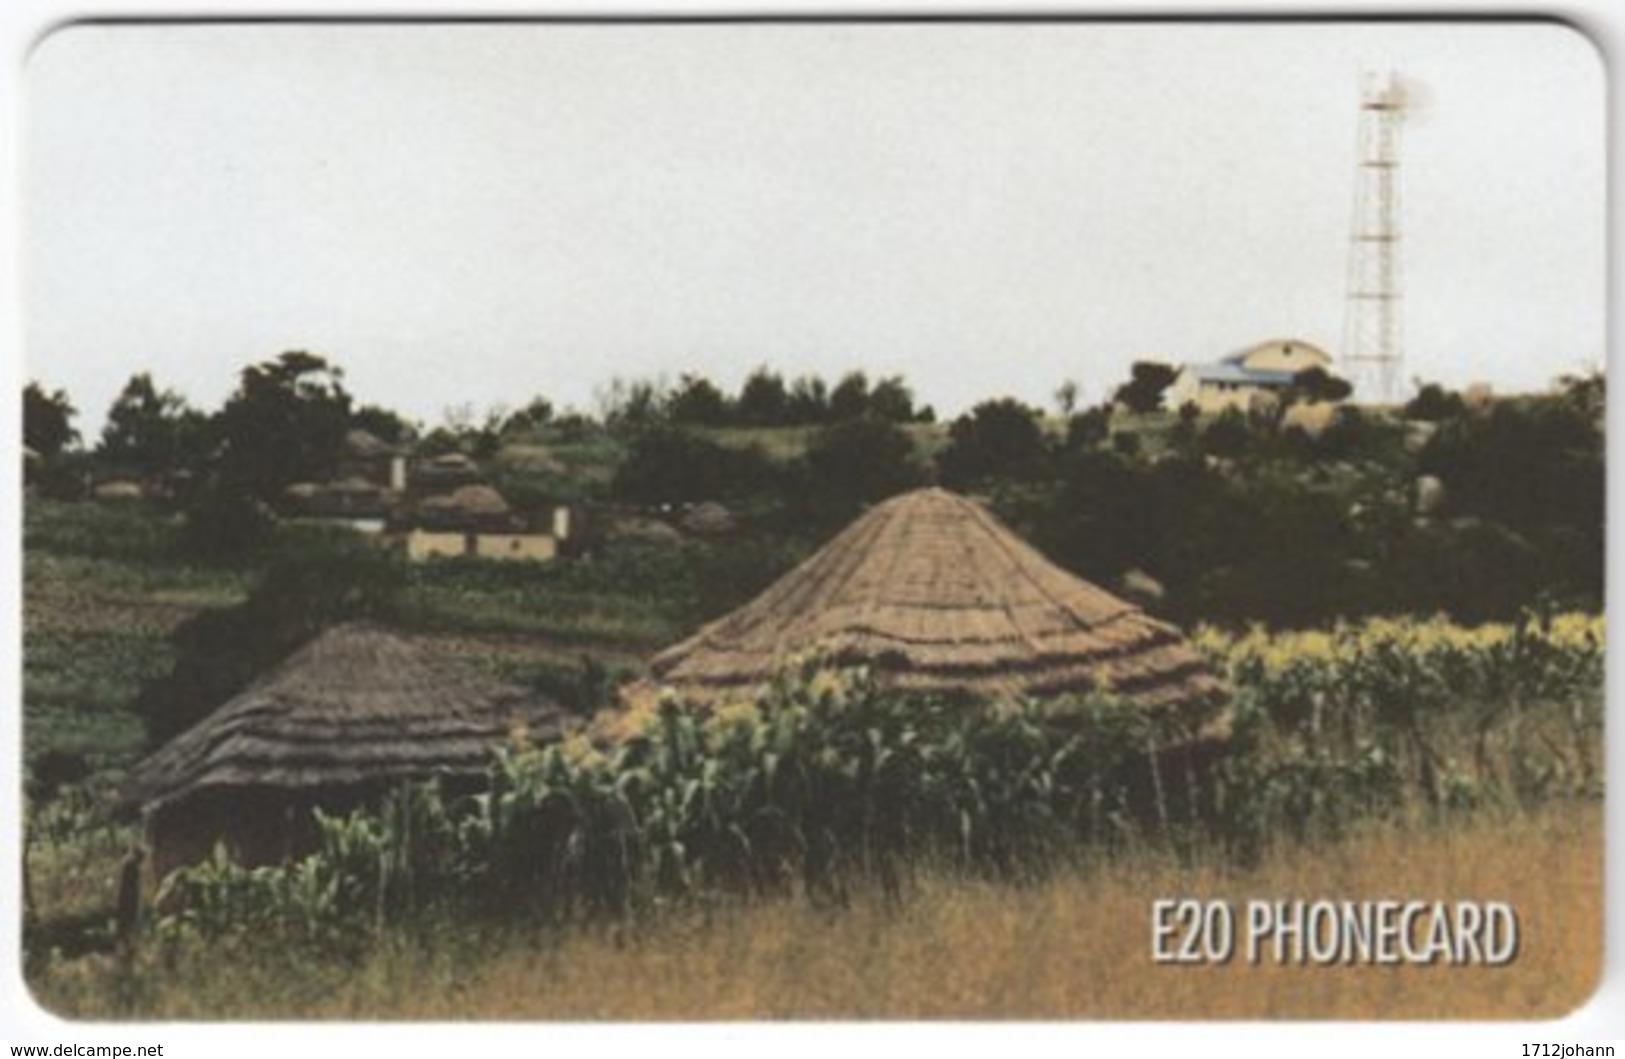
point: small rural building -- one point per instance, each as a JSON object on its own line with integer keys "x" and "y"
{"x": 937, "y": 596}
{"x": 475, "y": 520}
{"x": 350, "y": 714}
{"x": 368, "y": 457}
{"x": 1237, "y": 380}
{"x": 450, "y": 470}
{"x": 356, "y": 502}
{"x": 366, "y": 490}
{"x": 119, "y": 491}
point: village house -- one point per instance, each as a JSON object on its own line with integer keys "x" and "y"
{"x": 369, "y": 458}
{"x": 439, "y": 506}
{"x": 1240, "y": 380}
{"x": 475, "y": 520}
{"x": 355, "y": 712}
{"x": 366, "y": 490}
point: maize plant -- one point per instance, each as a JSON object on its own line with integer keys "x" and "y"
{"x": 823, "y": 780}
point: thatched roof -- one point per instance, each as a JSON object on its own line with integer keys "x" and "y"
{"x": 708, "y": 518}
{"x": 365, "y": 445}
{"x": 353, "y": 485}
{"x": 452, "y": 461}
{"x": 357, "y": 705}
{"x": 936, "y": 595}
{"x": 118, "y": 491}
{"x": 472, "y": 500}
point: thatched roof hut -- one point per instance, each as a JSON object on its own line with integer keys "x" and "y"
{"x": 938, "y": 596}
{"x": 467, "y": 508}
{"x": 708, "y": 519}
{"x": 472, "y": 501}
{"x": 119, "y": 492}
{"x": 362, "y": 444}
{"x": 354, "y": 711}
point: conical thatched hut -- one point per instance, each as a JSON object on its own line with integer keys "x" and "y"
{"x": 354, "y": 711}
{"x": 936, "y": 595}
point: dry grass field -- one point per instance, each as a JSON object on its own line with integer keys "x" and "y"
{"x": 1073, "y": 946}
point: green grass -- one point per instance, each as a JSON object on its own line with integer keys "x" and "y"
{"x": 538, "y": 469}
{"x": 629, "y": 597}
{"x": 103, "y": 588}
{"x": 786, "y": 444}
{"x": 133, "y": 534}
{"x": 1072, "y": 946}
{"x": 780, "y": 444}
{"x": 51, "y": 577}
{"x": 78, "y": 687}
{"x": 559, "y": 617}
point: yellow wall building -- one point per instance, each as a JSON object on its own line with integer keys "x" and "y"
{"x": 536, "y": 547}
{"x": 429, "y": 544}
{"x": 1241, "y": 379}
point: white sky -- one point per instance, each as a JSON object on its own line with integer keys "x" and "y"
{"x": 479, "y": 214}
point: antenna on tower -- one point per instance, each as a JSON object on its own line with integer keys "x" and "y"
{"x": 1372, "y": 327}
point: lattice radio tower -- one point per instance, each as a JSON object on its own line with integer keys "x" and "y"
{"x": 1373, "y": 327}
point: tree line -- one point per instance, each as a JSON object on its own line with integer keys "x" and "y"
{"x": 1455, "y": 503}
{"x": 1476, "y": 509}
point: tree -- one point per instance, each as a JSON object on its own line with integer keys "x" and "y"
{"x": 697, "y": 402}
{"x": 850, "y": 398}
{"x": 1066, "y": 398}
{"x": 667, "y": 465}
{"x": 464, "y": 429}
{"x": 1534, "y": 466}
{"x": 892, "y": 400}
{"x": 1182, "y": 438}
{"x": 1086, "y": 429}
{"x": 630, "y": 405}
{"x": 1587, "y": 393}
{"x": 1433, "y": 403}
{"x": 857, "y": 462}
{"x": 763, "y": 400}
{"x": 535, "y": 415}
{"x": 285, "y": 423}
{"x": 996, "y": 439}
{"x": 47, "y": 420}
{"x": 1346, "y": 435}
{"x": 1316, "y": 384}
{"x": 1143, "y": 391}
{"x": 809, "y": 400}
{"x": 151, "y": 431}
{"x": 226, "y": 525}
{"x": 218, "y": 652}
{"x": 383, "y": 424}
{"x": 1228, "y": 435}
{"x": 1530, "y": 463}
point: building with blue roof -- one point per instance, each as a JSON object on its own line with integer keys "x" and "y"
{"x": 1240, "y": 379}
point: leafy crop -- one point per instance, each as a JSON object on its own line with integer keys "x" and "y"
{"x": 826, "y": 780}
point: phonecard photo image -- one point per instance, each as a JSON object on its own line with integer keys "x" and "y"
{"x": 752, "y": 520}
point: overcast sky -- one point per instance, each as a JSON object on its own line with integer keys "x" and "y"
{"x": 479, "y": 214}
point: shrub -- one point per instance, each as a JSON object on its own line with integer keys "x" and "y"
{"x": 859, "y": 462}
{"x": 996, "y": 439}
{"x": 672, "y": 466}
{"x": 320, "y": 582}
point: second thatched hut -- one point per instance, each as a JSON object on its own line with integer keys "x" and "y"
{"x": 354, "y": 711}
